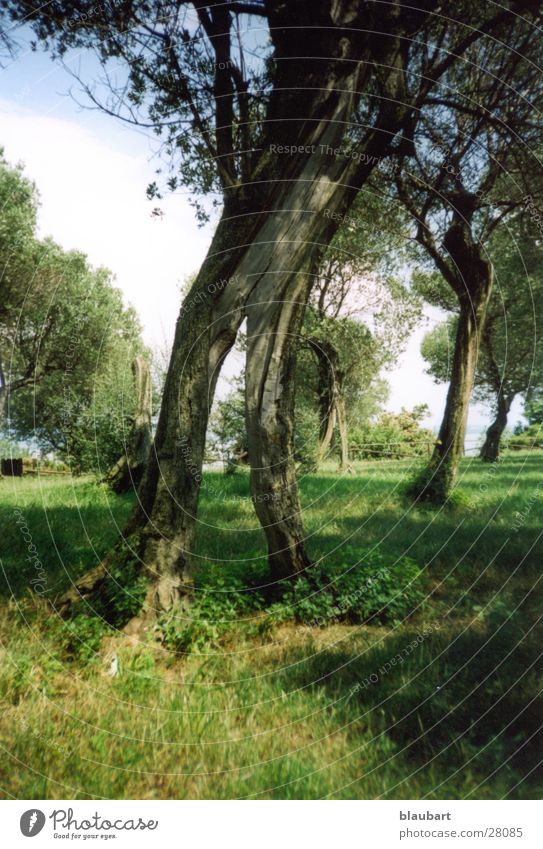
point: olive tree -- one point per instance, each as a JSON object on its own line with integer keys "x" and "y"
{"x": 280, "y": 123}
{"x": 472, "y": 150}
{"x": 510, "y": 361}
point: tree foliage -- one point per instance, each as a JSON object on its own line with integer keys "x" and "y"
{"x": 66, "y": 339}
{"x": 510, "y": 354}
{"x": 393, "y": 435}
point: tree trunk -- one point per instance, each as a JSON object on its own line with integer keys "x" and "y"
{"x": 491, "y": 446}
{"x": 4, "y": 395}
{"x": 3, "y": 403}
{"x": 343, "y": 430}
{"x": 326, "y": 356}
{"x": 268, "y": 234}
{"x": 278, "y": 238}
{"x": 440, "y": 476}
{"x": 255, "y": 256}
{"x": 328, "y": 420}
{"x": 470, "y": 274}
{"x": 271, "y": 364}
{"x": 331, "y": 400}
{"x": 128, "y": 471}
{"x": 168, "y": 495}
{"x": 289, "y": 247}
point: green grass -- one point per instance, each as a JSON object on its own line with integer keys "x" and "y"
{"x": 443, "y": 705}
{"x": 72, "y": 523}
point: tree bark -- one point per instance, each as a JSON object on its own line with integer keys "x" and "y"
{"x": 343, "y": 430}
{"x": 324, "y": 353}
{"x": 326, "y": 399}
{"x": 473, "y": 288}
{"x": 7, "y": 389}
{"x": 128, "y": 471}
{"x": 3, "y": 403}
{"x": 3, "y": 394}
{"x": 490, "y": 450}
{"x": 168, "y": 495}
{"x": 271, "y": 364}
{"x": 331, "y": 400}
{"x": 269, "y": 234}
{"x": 261, "y": 252}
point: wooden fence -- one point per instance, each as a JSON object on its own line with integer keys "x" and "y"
{"x": 394, "y": 449}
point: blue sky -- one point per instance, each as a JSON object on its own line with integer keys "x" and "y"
{"x": 92, "y": 172}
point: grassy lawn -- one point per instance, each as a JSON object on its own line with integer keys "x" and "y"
{"x": 441, "y": 702}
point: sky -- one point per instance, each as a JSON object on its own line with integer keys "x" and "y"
{"x": 92, "y": 172}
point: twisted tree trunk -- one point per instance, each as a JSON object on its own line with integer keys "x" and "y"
{"x": 168, "y": 496}
{"x": 326, "y": 398}
{"x": 128, "y": 471}
{"x": 343, "y": 430}
{"x": 271, "y": 362}
{"x": 268, "y": 234}
{"x": 259, "y": 252}
{"x": 8, "y": 389}
{"x": 331, "y": 400}
{"x": 490, "y": 450}
{"x": 328, "y": 423}
{"x": 472, "y": 281}
{"x": 450, "y": 442}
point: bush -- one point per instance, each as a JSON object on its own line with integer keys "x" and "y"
{"x": 377, "y": 588}
{"x": 209, "y": 617}
{"x": 12, "y": 448}
{"x": 530, "y": 437}
{"x": 122, "y": 594}
{"x": 393, "y": 435}
{"x": 84, "y": 634}
{"x": 120, "y": 597}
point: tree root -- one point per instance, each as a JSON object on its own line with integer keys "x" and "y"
{"x": 164, "y": 592}
{"x": 82, "y": 590}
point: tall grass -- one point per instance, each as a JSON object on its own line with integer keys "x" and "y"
{"x": 444, "y": 705}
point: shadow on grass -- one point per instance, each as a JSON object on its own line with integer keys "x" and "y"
{"x": 458, "y": 700}
{"x": 60, "y": 541}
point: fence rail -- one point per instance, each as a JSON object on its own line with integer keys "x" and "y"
{"x": 17, "y": 467}
{"x": 429, "y": 445}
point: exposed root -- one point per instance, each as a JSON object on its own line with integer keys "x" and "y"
{"x": 83, "y": 589}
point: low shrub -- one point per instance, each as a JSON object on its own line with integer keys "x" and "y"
{"x": 531, "y": 437}
{"x": 212, "y": 613}
{"x": 123, "y": 592}
{"x": 120, "y": 597}
{"x": 392, "y": 435}
{"x": 83, "y": 636}
{"x": 377, "y": 588}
